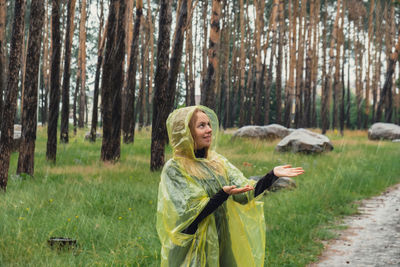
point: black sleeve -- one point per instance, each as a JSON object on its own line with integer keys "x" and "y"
{"x": 211, "y": 206}
{"x": 265, "y": 183}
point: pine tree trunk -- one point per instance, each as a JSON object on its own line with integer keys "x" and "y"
{"x": 204, "y": 52}
{"x": 209, "y": 83}
{"x": 328, "y": 83}
{"x": 336, "y": 82}
{"x": 3, "y": 15}
{"x": 54, "y": 82}
{"x": 189, "y": 77}
{"x": 66, "y": 76}
{"x": 314, "y": 74}
{"x": 290, "y": 105}
{"x": 225, "y": 89}
{"x": 10, "y": 103}
{"x": 151, "y": 64}
{"x": 142, "y": 89}
{"x": 160, "y": 107}
{"x": 82, "y": 68}
{"x": 45, "y": 65}
{"x": 28, "y": 134}
{"x": 387, "y": 86}
{"x": 112, "y": 82}
{"x": 100, "y": 52}
{"x": 370, "y": 32}
{"x": 309, "y": 68}
{"x": 268, "y": 80}
{"x": 281, "y": 30}
{"x": 128, "y": 131}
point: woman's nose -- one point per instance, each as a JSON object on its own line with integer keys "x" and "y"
{"x": 209, "y": 129}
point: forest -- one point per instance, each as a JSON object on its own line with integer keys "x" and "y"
{"x": 113, "y": 66}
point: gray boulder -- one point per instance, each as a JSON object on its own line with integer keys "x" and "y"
{"x": 381, "y": 130}
{"x": 302, "y": 140}
{"x": 269, "y": 132}
{"x": 396, "y": 141}
{"x": 281, "y": 183}
{"x": 87, "y": 136}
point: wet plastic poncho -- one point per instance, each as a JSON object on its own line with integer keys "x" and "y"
{"x": 234, "y": 234}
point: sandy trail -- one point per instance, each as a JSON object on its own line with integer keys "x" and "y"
{"x": 372, "y": 237}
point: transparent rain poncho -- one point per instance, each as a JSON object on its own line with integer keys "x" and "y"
{"x": 234, "y": 234}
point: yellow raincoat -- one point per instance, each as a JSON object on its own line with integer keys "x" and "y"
{"x": 234, "y": 234}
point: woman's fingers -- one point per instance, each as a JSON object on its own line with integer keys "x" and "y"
{"x": 232, "y": 190}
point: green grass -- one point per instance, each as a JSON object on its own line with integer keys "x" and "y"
{"x": 110, "y": 209}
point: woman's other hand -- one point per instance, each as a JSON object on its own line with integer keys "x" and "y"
{"x": 232, "y": 190}
{"x": 287, "y": 171}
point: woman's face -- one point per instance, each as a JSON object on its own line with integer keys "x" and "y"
{"x": 201, "y": 130}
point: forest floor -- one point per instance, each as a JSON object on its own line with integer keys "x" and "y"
{"x": 372, "y": 237}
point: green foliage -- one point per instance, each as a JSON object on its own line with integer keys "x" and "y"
{"x": 111, "y": 209}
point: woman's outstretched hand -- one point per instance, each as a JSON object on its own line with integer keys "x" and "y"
{"x": 232, "y": 190}
{"x": 287, "y": 171}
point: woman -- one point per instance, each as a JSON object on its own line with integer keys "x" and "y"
{"x": 208, "y": 213}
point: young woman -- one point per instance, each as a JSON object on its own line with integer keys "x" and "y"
{"x": 208, "y": 213}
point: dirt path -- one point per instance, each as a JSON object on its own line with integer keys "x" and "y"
{"x": 372, "y": 237}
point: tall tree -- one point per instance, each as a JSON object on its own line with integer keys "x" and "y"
{"x": 368, "y": 83}
{"x": 204, "y": 51}
{"x": 112, "y": 81}
{"x": 213, "y": 45}
{"x": 151, "y": 64}
{"x": 10, "y": 103}
{"x": 290, "y": 103}
{"x": 268, "y": 80}
{"x": 69, "y": 33}
{"x": 328, "y": 83}
{"x": 28, "y": 134}
{"x": 128, "y": 130}
{"x": 281, "y": 30}
{"x": 242, "y": 63}
{"x": 309, "y": 68}
{"x": 55, "y": 81}
{"x": 100, "y": 52}
{"x": 160, "y": 107}
{"x": 82, "y": 63}
{"x": 45, "y": 65}
{"x": 394, "y": 57}
{"x": 3, "y": 15}
{"x": 189, "y": 76}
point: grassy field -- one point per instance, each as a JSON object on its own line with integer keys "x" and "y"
{"x": 110, "y": 209}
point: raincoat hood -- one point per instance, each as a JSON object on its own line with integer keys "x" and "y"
{"x": 179, "y": 133}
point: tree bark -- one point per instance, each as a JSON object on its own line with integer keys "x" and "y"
{"x": 160, "y": 107}
{"x": 387, "y": 86}
{"x": 66, "y": 76}
{"x": 151, "y": 64}
{"x": 189, "y": 77}
{"x": 82, "y": 63}
{"x": 204, "y": 52}
{"x": 45, "y": 66}
{"x": 28, "y": 134}
{"x": 281, "y": 30}
{"x": 290, "y": 105}
{"x": 10, "y": 103}
{"x": 101, "y": 41}
{"x": 54, "y": 82}
{"x": 3, "y": 15}
{"x": 112, "y": 82}
{"x": 268, "y": 79}
{"x": 328, "y": 83}
{"x": 128, "y": 131}
{"x": 213, "y": 46}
